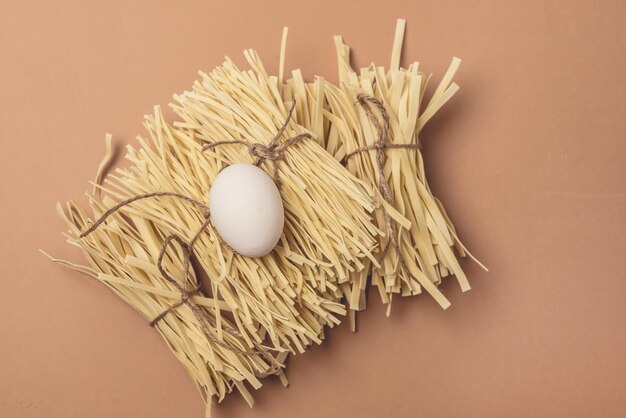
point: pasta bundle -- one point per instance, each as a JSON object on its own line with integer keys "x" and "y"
{"x": 426, "y": 237}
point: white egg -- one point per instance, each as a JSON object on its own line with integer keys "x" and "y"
{"x": 246, "y": 209}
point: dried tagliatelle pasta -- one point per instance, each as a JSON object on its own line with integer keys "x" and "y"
{"x": 229, "y": 319}
{"x": 371, "y": 122}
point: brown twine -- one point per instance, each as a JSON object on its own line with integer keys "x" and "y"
{"x": 115, "y": 208}
{"x": 366, "y": 101}
{"x": 273, "y": 152}
{"x": 186, "y": 295}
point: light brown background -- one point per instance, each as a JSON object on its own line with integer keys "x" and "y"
{"x": 529, "y": 159}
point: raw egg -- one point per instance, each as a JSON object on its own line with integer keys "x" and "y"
{"x": 246, "y": 209}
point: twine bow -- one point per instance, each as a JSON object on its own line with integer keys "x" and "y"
{"x": 380, "y": 146}
{"x": 274, "y": 151}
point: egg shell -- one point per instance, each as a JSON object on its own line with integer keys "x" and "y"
{"x": 247, "y": 209}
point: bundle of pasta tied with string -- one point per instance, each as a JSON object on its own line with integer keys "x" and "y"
{"x": 348, "y": 202}
{"x": 371, "y": 123}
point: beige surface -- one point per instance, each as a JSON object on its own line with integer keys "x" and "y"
{"x": 529, "y": 159}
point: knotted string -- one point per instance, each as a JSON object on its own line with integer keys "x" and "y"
{"x": 274, "y": 151}
{"x": 380, "y": 146}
